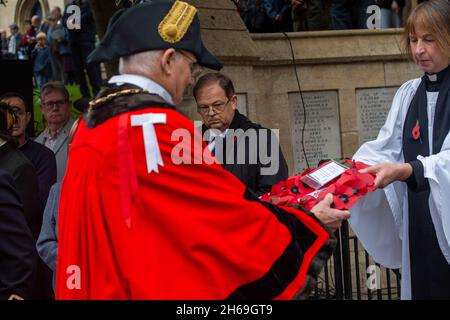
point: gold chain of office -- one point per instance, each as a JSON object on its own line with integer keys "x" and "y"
{"x": 111, "y": 96}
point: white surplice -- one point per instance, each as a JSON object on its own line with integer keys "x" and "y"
{"x": 380, "y": 219}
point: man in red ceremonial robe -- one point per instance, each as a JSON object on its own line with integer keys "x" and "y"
{"x": 145, "y": 213}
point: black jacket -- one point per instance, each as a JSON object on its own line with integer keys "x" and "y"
{"x": 20, "y": 168}
{"x": 88, "y": 28}
{"x": 44, "y": 161}
{"x": 250, "y": 171}
{"x": 18, "y": 255}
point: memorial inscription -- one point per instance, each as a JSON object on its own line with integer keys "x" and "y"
{"x": 372, "y": 107}
{"x": 322, "y": 133}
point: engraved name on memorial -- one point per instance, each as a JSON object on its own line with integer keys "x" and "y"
{"x": 322, "y": 133}
{"x": 373, "y": 106}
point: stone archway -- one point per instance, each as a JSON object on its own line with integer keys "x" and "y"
{"x": 24, "y": 8}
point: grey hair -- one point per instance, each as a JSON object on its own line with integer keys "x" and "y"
{"x": 143, "y": 63}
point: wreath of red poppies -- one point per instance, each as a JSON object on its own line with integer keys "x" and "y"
{"x": 346, "y": 189}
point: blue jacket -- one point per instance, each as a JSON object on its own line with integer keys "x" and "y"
{"x": 276, "y": 7}
{"x": 281, "y": 8}
{"x": 59, "y": 32}
{"x": 44, "y": 161}
{"x": 41, "y": 58}
{"x": 47, "y": 244}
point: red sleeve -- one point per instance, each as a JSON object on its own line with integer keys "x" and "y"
{"x": 189, "y": 231}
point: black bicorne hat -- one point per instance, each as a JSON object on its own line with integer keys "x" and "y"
{"x": 154, "y": 25}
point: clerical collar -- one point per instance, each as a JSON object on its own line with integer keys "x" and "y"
{"x": 433, "y": 81}
{"x": 432, "y": 77}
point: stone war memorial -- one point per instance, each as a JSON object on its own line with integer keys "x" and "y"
{"x": 348, "y": 79}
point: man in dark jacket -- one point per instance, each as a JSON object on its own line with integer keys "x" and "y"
{"x": 247, "y": 150}
{"x": 23, "y": 174}
{"x": 17, "y": 252}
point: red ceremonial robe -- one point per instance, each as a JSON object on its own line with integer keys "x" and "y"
{"x": 188, "y": 231}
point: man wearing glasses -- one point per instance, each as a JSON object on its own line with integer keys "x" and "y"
{"x": 217, "y": 104}
{"x": 136, "y": 224}
{"x": 55, "y": 107}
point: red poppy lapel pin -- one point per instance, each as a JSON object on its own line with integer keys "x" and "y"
{"x": 416, "y": 132}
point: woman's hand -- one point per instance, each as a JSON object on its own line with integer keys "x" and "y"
{"x": 386, "y": 173}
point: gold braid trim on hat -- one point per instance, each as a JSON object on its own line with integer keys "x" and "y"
{"x": 111, "y": 96}
{"x": 177, "y": 21}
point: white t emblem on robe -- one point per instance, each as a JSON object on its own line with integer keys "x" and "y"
{"x": 152, "y": 152}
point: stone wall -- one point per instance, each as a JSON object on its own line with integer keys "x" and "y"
{"x": 347, "y": 77}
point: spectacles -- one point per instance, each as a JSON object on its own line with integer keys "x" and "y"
{"x": 58, "y": 104}
{"x": 196, "y": 69}
{"x": 217, "y": 107}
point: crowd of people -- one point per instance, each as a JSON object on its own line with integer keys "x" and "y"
{"x": 84, "y": 200}
{"x": 262, "y": 16}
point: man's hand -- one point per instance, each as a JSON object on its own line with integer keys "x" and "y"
{"x": 331, "y": 218}
{"x": 386, "y": 173}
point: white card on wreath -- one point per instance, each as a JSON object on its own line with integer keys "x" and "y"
{"x": 320, "y": 177}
